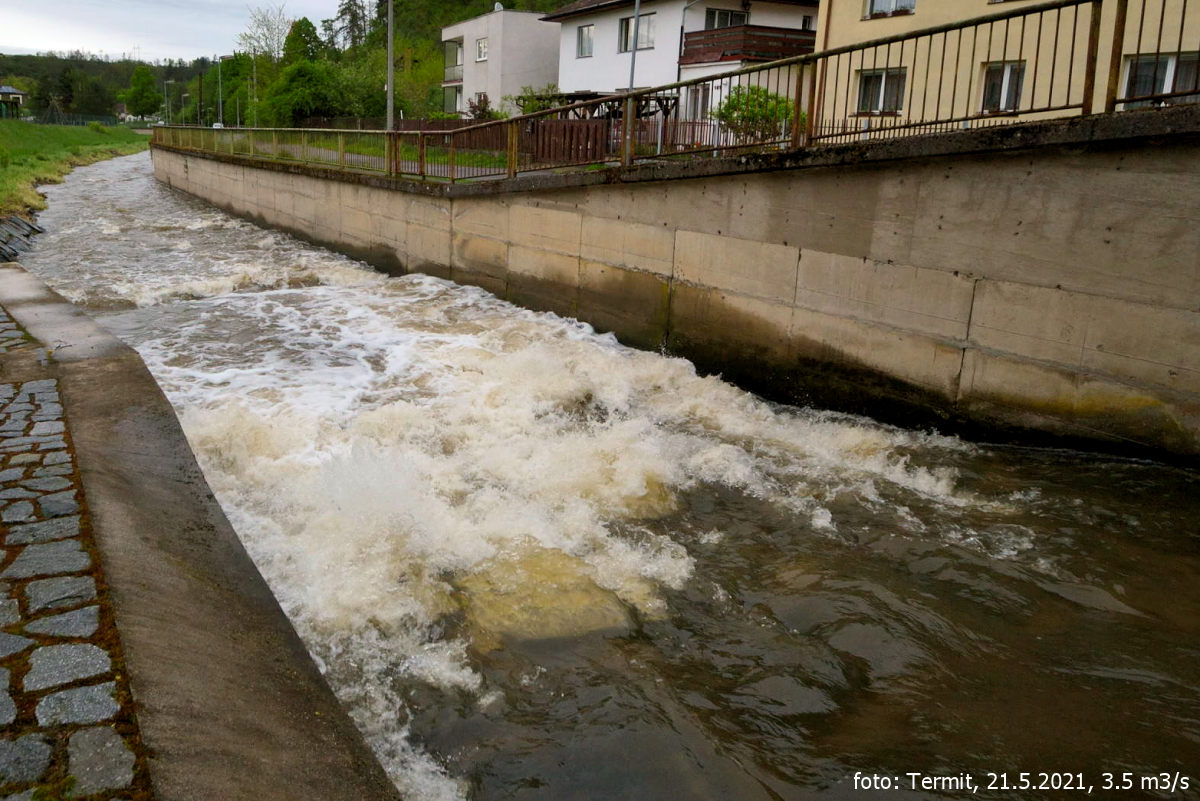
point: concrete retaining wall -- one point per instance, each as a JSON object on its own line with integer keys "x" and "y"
{"x": 1052, "y": 288}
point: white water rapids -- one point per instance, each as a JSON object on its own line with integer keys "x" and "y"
{"x": 475, "y": 514}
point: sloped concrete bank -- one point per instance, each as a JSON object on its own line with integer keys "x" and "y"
{"x": 1036, "y": 280}
{"x": 214, "y": 692}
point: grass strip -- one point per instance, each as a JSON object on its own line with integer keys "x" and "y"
{"x": 32, "y": 154}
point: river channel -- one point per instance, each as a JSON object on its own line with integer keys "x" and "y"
{"x": 536, "y": 564}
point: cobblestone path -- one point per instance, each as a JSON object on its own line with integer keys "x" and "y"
{"x": 68, "y": 723}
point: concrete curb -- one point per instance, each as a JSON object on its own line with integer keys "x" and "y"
{"x": 229, "y": 703}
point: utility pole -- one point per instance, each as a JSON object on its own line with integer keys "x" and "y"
{"x": 391, "y": 70}
{"x": 220, "y": 108}
{"x": 254, "y": 83}
{"x": 637, "y": 19}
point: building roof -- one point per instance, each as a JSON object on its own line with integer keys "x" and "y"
{"x": 581, "y": 7}
{"x": 8, "y": 90}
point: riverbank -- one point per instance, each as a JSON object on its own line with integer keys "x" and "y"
{"x": 141, "y": 653}
{"x": 32, "y": 154}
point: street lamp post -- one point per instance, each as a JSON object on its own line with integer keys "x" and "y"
{"x": 167, "y": 99}
{"x": 220, "y": 92}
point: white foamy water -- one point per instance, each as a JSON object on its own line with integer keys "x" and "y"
{"x": 426, "y": 475}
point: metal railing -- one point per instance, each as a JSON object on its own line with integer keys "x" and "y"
{"x": 1051, "y": 59}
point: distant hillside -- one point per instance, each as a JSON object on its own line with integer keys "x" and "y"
{"x": 344, "y": 61}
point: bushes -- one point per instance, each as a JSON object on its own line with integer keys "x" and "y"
{"x": 752, "y": 113}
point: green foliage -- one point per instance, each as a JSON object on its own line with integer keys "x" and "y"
{"x": 752, "y": 113}
{"x": 97, "y": 127}
{"x": 302, "y": 43}
{"x": 142, "y": 99}
{"x": 305, "y": 89}
{"x": 532, "y": 99}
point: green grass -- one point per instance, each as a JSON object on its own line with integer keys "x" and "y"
{"x": 33, "y": 154}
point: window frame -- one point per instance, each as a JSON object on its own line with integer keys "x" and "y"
{"x": 591, "y": 40}
{"x": 1003, "y": 106}
{"x": 1168, "y": 78}
{"x": 711, "y": 15}
{"x": 874, "y": 9}
{"x": 887, "y": 75}
{"x": 625, "y": 32}
{"x": 481, "y": 49}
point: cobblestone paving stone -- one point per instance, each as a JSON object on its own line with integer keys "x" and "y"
{"x": 67, "y": 726}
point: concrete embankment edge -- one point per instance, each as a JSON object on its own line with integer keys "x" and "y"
{"x": 229, "y": 702}
{"x": 1034, "y": 281}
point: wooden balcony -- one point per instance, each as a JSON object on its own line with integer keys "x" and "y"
{"x": 746, "y": 43}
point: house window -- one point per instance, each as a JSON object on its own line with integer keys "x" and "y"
{"x": 881, "y": 91}
{"x": 645, "y": 33}
{"x": 723, "y": 18}
{"x": 1002, "y": 83}
{"x": 699, "y": 101}
{"x": 1163, "y": 75}
{"x": 583, "y": 41}
{"x": 807, "y": 23}
{"x": 882, "y": 7}
{"x": 452, "y": 99}
{"x": 481, "y": 49}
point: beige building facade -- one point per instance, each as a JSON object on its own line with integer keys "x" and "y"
{"x": 1035, "y": 62}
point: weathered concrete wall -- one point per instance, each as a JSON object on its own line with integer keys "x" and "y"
{"x": 1053, "y": 288}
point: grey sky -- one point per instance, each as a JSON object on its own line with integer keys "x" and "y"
{"x": 149, "y": 29}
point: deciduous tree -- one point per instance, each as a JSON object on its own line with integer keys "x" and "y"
{"x": 142, "y": 98}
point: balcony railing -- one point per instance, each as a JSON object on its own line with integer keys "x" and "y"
{"x": 453, "y": 73}
{"x": 1051, "y": 59}
{"x": 746, "y": 43}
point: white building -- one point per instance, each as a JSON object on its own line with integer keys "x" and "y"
{"x": 496, "y": 55}
{"x": 677, "y": 39}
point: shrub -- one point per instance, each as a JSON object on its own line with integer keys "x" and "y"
{"x": 97, "y": 127}
{"x": 752, "y": 113}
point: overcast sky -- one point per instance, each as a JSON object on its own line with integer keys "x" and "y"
{"x": 146, "y": 29}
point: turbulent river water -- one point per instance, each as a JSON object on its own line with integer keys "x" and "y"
{"x": 536, "y": 564}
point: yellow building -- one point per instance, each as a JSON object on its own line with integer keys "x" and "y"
{"x": 1032, "y": 59}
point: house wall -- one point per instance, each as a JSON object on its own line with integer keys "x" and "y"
{"x": 936, "y": 84}
{"x": 1054, "y": 288}
{"x": 607, "y": 70}
{"x": 522, "y": 51}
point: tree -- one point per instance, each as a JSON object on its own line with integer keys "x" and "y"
{"x": 302, "y": 43}
{"x": 351, "y": 22}
{"x": 93, "y": 97}
{"x": 269, "y": 27}
{"x": 305, "y": 89}
{"x": 141, "y": 98}
{"x": 752, "y": 113}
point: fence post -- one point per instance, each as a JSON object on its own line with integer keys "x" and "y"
{"x": 1118, "y": 51}
{"x": 453, "y": 164}
{"x": 341, "y": 150}
{"x": 389, "y": 153}
{"x": 627, "y": 133}
{"x": 514, "y": 134}
{"x": 1089, "y": 76}
{"x": 421, "y": 155}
